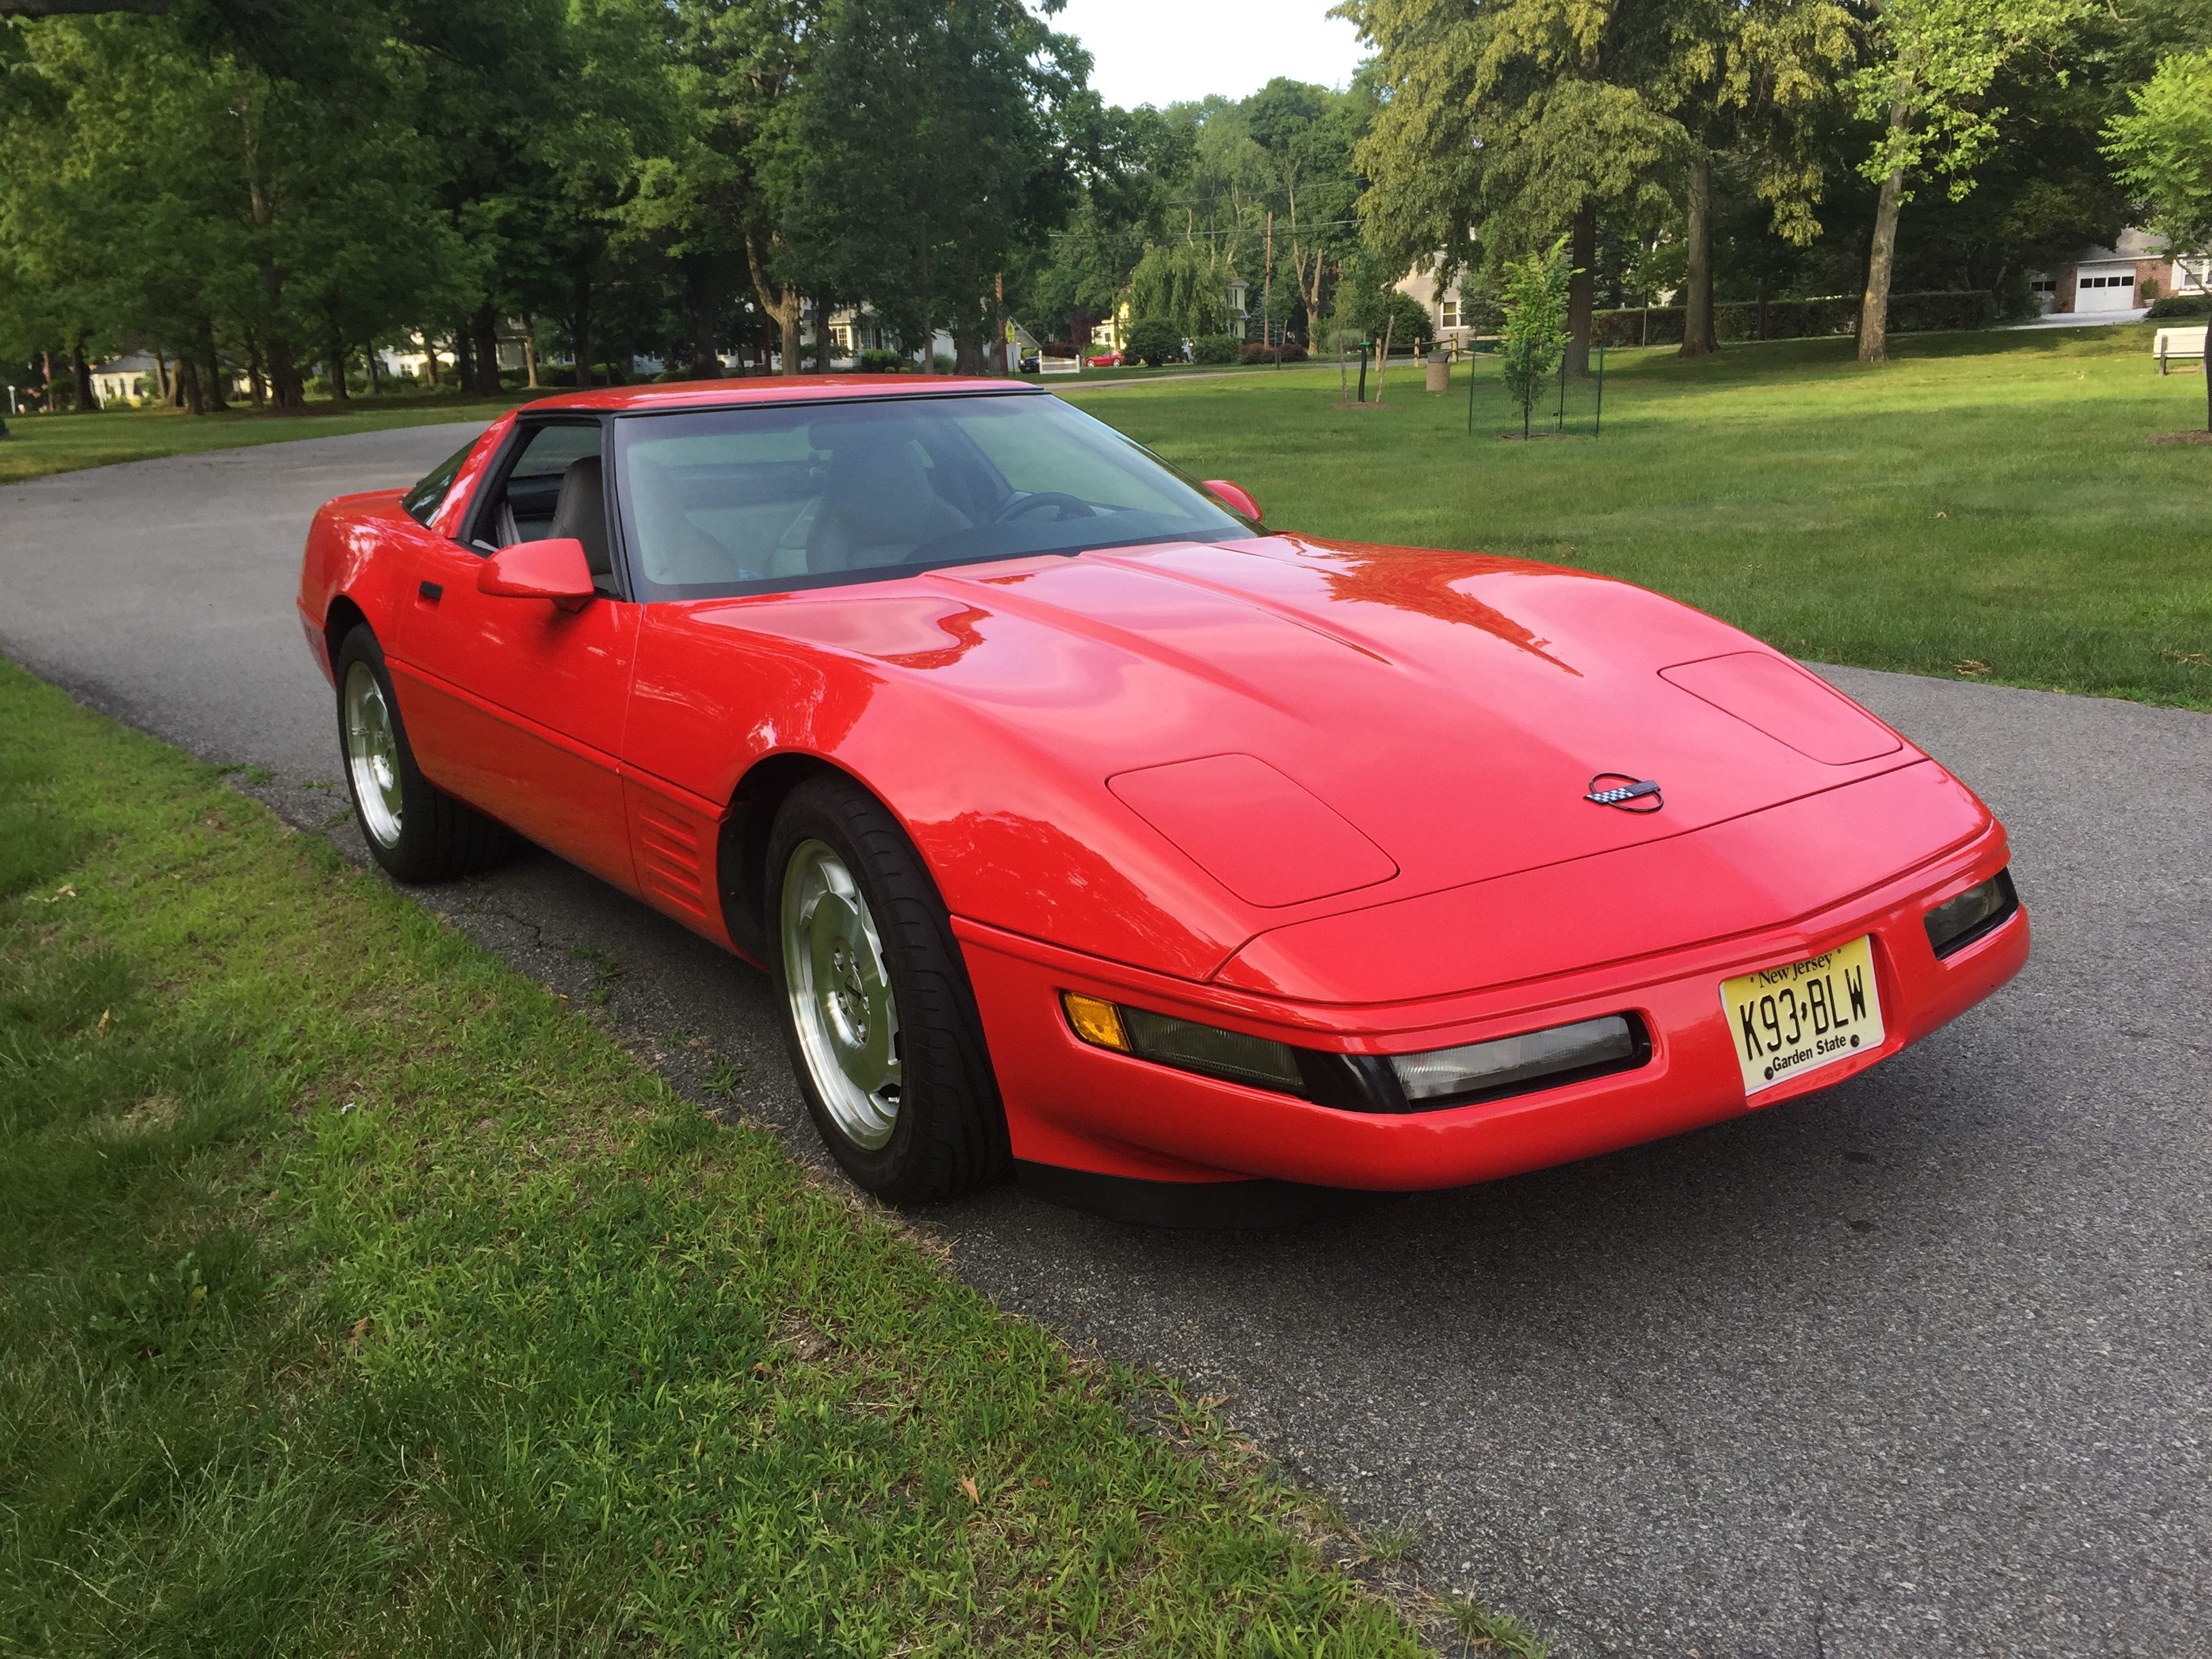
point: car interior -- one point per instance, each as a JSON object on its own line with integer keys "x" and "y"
{"x": 729, "y": 499}
{"x": 555, "y": 488}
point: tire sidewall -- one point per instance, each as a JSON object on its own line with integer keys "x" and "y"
{"x": 404, "y": 862}
{"x": 803, "y": 819}
{"x": 823, "y": 810}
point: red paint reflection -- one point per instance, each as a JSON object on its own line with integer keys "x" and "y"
{"x": 1423, "y": 582}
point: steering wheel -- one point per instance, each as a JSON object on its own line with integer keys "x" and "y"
{"x": 1071, "y": 506}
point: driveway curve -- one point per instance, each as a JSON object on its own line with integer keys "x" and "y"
{"x": 1921, "y": 1365}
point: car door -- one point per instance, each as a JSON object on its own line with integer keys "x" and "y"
{"x": 514, "y": 704}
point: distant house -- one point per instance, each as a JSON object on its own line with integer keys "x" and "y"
{"x": 2123, "y": 278}
{"x": 1447, "y": 313}
{"x": 134, "y": 379}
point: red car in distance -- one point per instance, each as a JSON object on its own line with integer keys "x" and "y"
{"x": 1088, "y": 827}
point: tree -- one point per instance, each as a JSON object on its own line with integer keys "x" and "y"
{"x": 1536, "y": 335}
{"x": 2163, "y": 150}
{"x": 1933, "y": 64}
{"x": 1746, "y": 79}
{"x": 1545, "y": 112}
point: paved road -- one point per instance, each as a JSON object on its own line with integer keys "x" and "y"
{"x": 1915, "y": 1367}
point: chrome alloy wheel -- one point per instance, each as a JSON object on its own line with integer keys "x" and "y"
{"x": 371, "y": 754}
{"x": 841, "y": 995}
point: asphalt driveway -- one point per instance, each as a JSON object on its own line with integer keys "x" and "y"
{"x": 1921, "y": 1365}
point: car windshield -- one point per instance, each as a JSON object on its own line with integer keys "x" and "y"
{"x": 776, "y": 497}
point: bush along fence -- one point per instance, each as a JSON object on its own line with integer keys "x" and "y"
{"x": 1940, "y": 311}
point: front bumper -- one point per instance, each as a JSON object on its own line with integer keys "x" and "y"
{"x": 1074, "y": 1106}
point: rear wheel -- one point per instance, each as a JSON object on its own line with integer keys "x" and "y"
{"x": 414, "y": 830}
{"x": 878, "y": 1013}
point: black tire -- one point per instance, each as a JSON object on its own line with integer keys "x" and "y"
{"x": 950, "y": 1133}
{"x": 437, "y": 837}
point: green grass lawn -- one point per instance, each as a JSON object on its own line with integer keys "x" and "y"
{"x": 1988, "y": 505}
{"x": 38, "y": 444}
{"x": 356, "y": 1296}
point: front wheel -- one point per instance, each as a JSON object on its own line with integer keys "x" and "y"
{"x": 878, "y": 1013}
{"x": 414, "y": 830}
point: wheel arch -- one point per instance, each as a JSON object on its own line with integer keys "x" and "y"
{"x": 741, "y": 854}
{"x": 343, "y": 616}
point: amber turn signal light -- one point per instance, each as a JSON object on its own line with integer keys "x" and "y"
{"x": 1097, "y": 1023}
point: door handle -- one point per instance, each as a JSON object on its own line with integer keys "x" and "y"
{"x": 431, "y": 592}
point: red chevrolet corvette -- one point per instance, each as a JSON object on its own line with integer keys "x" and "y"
{"x": 1087, "y": 826}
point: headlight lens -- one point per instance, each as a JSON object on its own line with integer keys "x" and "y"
{"x": 1958, "y": 922}
{"x": 1184, "y": 1043}
{"x": 1485, "y": 1067}
{"x": 1365, "y": 1083}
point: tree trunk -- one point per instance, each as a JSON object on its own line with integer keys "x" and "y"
{"x": 1699, "y": 338}
{"x": 370, "y": 366}
{"x": 1581, "y": 292}
{"x": 968, "y": 340}
{"x": 335, "y": 356}
{"x": 823, "y": 346}
{"x": 257, "y": 383}
{"x": 188, "y": 385}
{"x": 464, "y": 365}
{"x": 999, "y": 323}
{"x": 1389, "y": 326}
{"x": 485, "y": 326}
{"x": 579, "y": 321}
{"x": 1874, "y": 312}
{"x": 698, "y": 296}
{"x": 216, "y": 401}
{"x": 530, "y": 351}
{"x": 87, "y": 397}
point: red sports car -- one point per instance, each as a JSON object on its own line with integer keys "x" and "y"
{"x": 1087, "y": 826}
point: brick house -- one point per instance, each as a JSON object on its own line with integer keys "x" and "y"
{"x": 2116, "y": 279}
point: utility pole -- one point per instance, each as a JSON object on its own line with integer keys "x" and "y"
{"x": 1267, "y": 284}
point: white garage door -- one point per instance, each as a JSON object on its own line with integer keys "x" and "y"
{"x": 2106, "y": 291}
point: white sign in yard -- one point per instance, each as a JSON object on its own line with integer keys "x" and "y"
{"x": 1059, "y": 365}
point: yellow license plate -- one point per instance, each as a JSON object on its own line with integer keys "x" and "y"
{"x": 1789, "y": 1021}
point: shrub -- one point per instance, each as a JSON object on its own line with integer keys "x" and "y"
{"x": 1536, "y": 300}
{"x": 1154, "y": 341}
{"x": 1216, "y": 349}
{"x": 1288, "y": 352}
{"x": 879, "y": 359}
{"x": 2182, "y": 308}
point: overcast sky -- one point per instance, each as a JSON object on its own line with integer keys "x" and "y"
{"x": 1156, "y": 51}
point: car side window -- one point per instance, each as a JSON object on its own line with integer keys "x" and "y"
{"x": 522, "y": 506}
{"x": 554, "y": 486}
{"x": 422, "y": 503}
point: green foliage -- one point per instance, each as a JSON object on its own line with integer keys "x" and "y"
{"x": 2180, "y": 307}
{"x": 1535, "y": 296}
{"x": 358, "y": 1296}
{"x": 1934, "y": 62}
{"x": 1154, "y": 341}
{"x": 1216, "y": 349}
{"x": 2163, "y": 149}
{"x": 1406, "y": 322}
{"x": 1184, "y": 283}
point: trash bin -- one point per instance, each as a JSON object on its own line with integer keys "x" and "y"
{"x": 1439, "y": 372}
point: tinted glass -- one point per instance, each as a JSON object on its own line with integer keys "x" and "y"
{"x": 421, "y": 502}
{"x": 753, "y": 500}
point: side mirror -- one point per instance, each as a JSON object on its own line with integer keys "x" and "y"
{"x": 555, "y": 568}
{"x": 1235, "y": 497}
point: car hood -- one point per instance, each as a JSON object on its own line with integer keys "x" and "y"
{"x": 1419, "y": 718}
